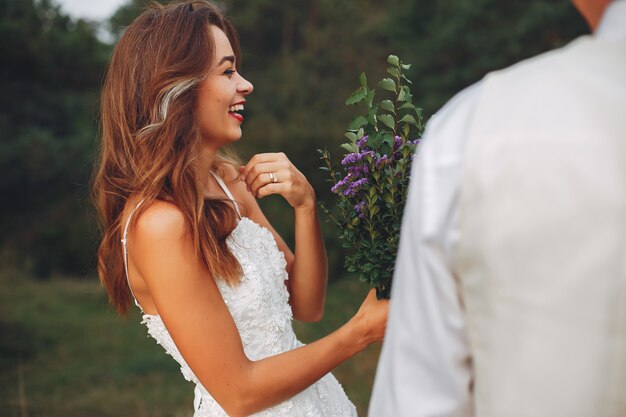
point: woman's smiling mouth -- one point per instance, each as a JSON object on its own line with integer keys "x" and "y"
{"x": 232, "y": 111}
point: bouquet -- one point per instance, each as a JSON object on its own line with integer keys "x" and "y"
{"x": 371, "y": 182}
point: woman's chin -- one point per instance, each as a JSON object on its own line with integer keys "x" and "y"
{"x": 235, "y": 137}
{"x": 224, "y": 140}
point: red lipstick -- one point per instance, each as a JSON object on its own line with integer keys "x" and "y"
{"x": 236, "y": 116}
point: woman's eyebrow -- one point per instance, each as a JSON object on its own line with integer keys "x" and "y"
{"x": 230, "y": 58}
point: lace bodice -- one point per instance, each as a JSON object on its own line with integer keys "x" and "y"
{"x": 260, "y": 308}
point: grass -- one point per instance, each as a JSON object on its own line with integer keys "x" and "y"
{"x": 64, "y": 352}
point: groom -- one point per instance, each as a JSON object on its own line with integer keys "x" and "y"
{"x": 509, "y": 297}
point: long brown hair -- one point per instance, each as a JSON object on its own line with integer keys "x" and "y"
{"x": 150, "y": 140}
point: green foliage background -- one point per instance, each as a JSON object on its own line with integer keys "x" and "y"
{"x": 303, "y": 57}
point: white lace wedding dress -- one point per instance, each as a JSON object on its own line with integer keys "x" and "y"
{"x": 261, "y": 311}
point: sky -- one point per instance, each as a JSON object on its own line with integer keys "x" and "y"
{"x": 90, "y": 9}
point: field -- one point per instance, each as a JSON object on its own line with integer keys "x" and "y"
{"x": 64, "y": 352}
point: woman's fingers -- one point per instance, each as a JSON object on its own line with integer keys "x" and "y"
{"x": 261, "y": 175}
{"x": 282, "y": 177}
{"x": 374, "y": 314}
{"x": 262, "y": 180}
{"x": 271, "y": 188}
{"x": 262, "y": 158}
{"x": 261, "y": 170}
{"x": 273, "y": 173}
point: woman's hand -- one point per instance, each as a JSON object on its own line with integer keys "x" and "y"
{"x": 273, "y": 173}
{"x": 372, "y": 318}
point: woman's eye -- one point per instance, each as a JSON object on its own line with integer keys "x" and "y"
{"x": 229, "y": 72}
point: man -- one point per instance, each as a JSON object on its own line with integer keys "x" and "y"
{"x": 509, "y": 295}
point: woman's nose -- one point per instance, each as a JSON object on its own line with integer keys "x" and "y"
{"x": 245, "y": 87}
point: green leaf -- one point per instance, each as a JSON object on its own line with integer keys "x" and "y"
{"x": 387, "y": 198}
{"x": 393, "y": 71}
{"x": 387, "y": 105}
{"x": 360, "y": 133}
{"x": 350, "y": 147}
{"x": 359, "y": 95}
{"x": 374, "y": 140}
{"x": 357, "y": 123}
{"x": 387, "y": 84}
{"x": 385, "y": 149}
{"x": 388, "y": 120}
{"x": 407, "y": 118}
{"x": 388, "y": 140}
{"x": 370, "y": 97}
{"x": 402, "y": 95}
{"x": 405, "y": 95}
{"x": 363, "y": 80}
{"x": 406, "y": 66}
{"x": 351, "y": 136}
{"x": 393, "y": 60}
{"x": 371, "y": 116}
{"x": 407, "y": 106}
{"x": 406, "y": 130}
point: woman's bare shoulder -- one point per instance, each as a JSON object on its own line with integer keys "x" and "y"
{"x": 160, "y": 220}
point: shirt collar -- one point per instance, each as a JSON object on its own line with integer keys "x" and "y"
{"x": 613, "y": 23}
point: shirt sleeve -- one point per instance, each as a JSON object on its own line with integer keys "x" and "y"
{"x": 425, "y": 364}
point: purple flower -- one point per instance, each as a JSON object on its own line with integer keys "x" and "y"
{"x": 361, "y": 143}
{"x": 359, "y": 183}
{"x": 381, "y": 161}
{"x": 397, "y": 141}
{"x": 352, "y": 189}
{"x": 360, "y": 208}
{"x": 355, "y": 170}
{"x": 349, "y": 159}
{"x": 341, "y": 183}
{"x": 353, "y": 158}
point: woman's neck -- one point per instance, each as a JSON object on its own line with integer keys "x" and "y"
{"x": 205, "y": 165}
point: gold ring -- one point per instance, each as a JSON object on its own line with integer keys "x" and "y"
{"x": 273, "y": 177}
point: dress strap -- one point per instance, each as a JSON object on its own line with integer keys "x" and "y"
{"x": 227, "y": 191}
{"x": 126, "y": 252}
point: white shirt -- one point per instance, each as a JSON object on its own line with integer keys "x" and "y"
{"x": 425, "y": 365}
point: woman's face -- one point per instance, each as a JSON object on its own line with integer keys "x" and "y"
{"x": 221, "y": 96}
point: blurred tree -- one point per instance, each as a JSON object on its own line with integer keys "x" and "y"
{"x": 453, "y": 43}
{"x": 303, "y": 56}
{"x": 49, "y": 80}
{"x": 126, "y": 13}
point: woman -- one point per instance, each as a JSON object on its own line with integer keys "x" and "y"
{"x": 217, "y": 285}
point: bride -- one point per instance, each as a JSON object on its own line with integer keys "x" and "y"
{"x": 185, "y": 239}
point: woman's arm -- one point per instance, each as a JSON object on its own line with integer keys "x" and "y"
{"x": 308, "y": 269}
{"x": 191, "y": 306}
